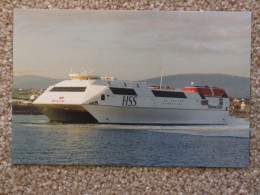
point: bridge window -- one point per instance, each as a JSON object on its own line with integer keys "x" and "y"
{"x": 103, "y": 97}
{"x": 123, "y": 91}
{"x": 68, "y": 89}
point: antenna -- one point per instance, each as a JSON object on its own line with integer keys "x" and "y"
{"x": 161, "y": 78}
{"x": 145, "y": 76}
{"x": 72, "y": 71}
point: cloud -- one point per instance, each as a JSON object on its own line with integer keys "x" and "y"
{"x": 123, "y": 39}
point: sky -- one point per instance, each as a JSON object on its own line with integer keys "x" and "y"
{"x": 132, "y": 45}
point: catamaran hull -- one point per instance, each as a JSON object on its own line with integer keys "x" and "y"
{"x": 66, "y": 113}
{"x": 126, "y": 115}
{"x": 155, "y": 116}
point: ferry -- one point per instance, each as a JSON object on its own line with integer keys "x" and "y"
{"x": 88, "y": 98}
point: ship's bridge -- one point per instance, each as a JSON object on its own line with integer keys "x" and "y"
{"x": 87, "y": 76}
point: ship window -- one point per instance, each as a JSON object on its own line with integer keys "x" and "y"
{"x": 125, "y": 84}
{"x": 68, "y": 89}
{"x": 103, "y": 97}
{"x": 221, "y": 102}
{"x": 204, "y": 102}
{"x": 169, "y": 94}
{"x": 123, "y": 91}
{"x": 137, "y": 85}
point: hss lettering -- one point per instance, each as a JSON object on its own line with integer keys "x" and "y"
{"x": 129, "y": 101}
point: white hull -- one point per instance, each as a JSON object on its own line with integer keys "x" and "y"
{"x": 137, "y": 115}
{"x": 120, "y": 102}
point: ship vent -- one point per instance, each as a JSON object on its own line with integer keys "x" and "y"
{"x": 202, "y": 96}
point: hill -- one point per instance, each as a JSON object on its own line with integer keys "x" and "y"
{"x": 235, "y": 86}
{"x": 34, "y": 82}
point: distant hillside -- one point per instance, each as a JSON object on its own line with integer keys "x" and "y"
{"x": 235, "y": 86}
{"x": 32, "y": 81}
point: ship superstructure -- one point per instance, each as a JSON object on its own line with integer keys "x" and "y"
{"x": 92, "y": 99}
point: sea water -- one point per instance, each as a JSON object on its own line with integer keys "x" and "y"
{"x": 35, "y": 140}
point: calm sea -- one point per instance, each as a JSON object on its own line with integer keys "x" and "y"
{"x": 37, "y": 141}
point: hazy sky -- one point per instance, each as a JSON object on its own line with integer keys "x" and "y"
{"x": 131, "y": 45}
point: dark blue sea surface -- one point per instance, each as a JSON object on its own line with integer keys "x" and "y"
{"x": 37, "y": 141}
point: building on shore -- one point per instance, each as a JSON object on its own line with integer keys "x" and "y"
{"x": 22, "y": 101}
{"x": 239, "y": 107}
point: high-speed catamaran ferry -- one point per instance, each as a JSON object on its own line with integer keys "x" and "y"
{"x": 92, "y": 99}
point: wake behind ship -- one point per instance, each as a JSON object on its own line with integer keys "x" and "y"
{"x": 92, "y": 99}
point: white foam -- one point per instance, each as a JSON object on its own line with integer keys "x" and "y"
{"x": 236, "y": 128}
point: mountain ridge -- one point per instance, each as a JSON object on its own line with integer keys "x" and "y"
{"x": 235, "y": 86}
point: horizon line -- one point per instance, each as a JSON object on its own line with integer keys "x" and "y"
{"x": 144, "y": 78}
